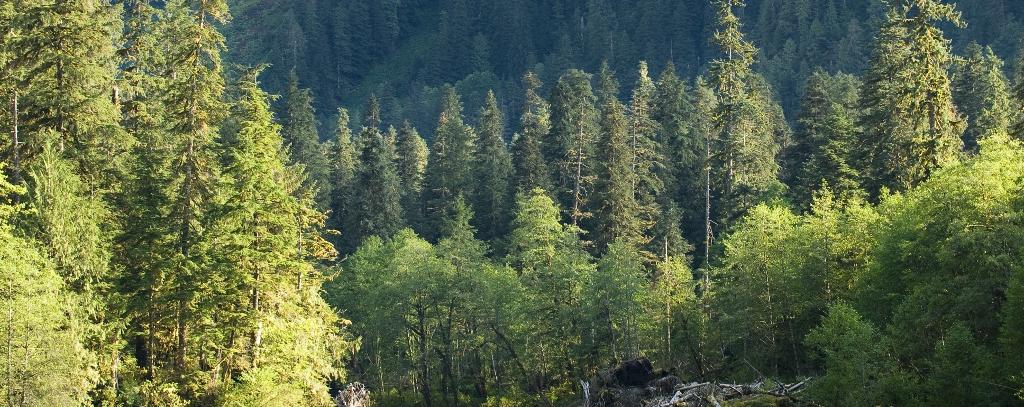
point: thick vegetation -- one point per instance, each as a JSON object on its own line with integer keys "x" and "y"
{"x": 171, "y": 236}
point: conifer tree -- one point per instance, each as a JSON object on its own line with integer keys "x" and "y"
{"x": 303, "y": 141}
{"x": 65, "y": 59}
{"x": 42, "y": 327}
{"x": 412, "y": 164}
{"x": 449, "y": 171}
{"x": 911, "y": 127}
{"x": 571, "y": 143}
{"x": 744, "y": 169}
{"x": 618, "y": 216}
{"x": 645, "y": 156}
{"x": 377, "y": 207}
{"x": 981, "y": 92}
{"x": 531, "y": 169}
{"x": 195, "y": 111}
{"x": 493, "y": 173}
{"x": 823, "y": 148}
{"x": 682, "y": 148}
{"x": 260, "y": 273}
{"x": 344, "y": 159}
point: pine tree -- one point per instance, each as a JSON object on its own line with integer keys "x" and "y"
{"x": 980, "y": 90}
{"x": 449, "y": 166}
{"x": 301, "y": 137}
{"x": 531, "y": 169}
{"x": 493, "y": 173}
{"x": 822, "y": 154}
{"x": 377, "y": 208}
{"x": 911, "y": 127}
{"x": 412, "y": 164}
{"x": 618, "y": 216}
{"x": 744, "y": 169}
{"x": 571, "y": 143}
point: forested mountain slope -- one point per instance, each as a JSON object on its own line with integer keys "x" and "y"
{"x": 346, "y": 49}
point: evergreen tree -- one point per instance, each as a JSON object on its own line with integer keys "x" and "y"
{"x": 43, "y": 324}
{"x": 645, "y": 156}
{"x": 449, "y": 172}
{"x": 345, "y": 158}
{"x": 531, "y": 169}
{"x": 571, "y": 143}
{"x": 744, "y": 169}
{"x": 377, "y": 204}
{"x": 911, "y": 127}
{"x": 981, "y": 92}
{"x": 412, "y": 164}
{"x": 195, "y": 109}
{"x": 826, "y": 138}
{"x": 260, "y": 274}
{"x": 493, "y": 173}
{"x": 63, "y": 60}
{"x": 301, "y": 137}
{"x": 618, "y": 216}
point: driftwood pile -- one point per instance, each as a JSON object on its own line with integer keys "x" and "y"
{"x": 636, "y": 383}
{"x": 354, "y": 395}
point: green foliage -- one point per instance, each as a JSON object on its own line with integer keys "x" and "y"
{"x": 299, "y": 130}
{"x": 570, "y": 145}
{"x": 981, "y": 92}
{"x": 531, "y": 170}
{"x": 911, "y": 126}
{"x": 618, "y": 214}
{"x": 493, "y": 171}
{"x": 853, "y": 357}
{"x": 449, "y": 169}
{"x": 377, "y": 189}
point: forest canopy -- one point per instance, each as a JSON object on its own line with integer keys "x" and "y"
{"x": 302, "y": 203}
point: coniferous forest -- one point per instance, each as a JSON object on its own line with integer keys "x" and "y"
{"x": 511, "y": 202}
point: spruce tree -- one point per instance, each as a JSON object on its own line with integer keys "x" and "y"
{"x": 911, "y": 126}
{"x": 303, "y": 141}
{"x": 449, "y": 167}
{"x": 344, "y": 159}
{"x": 377, "y": 208}
{"x": 412, "y": 164}
{"x": 195, "y": 112}
{"x": 981, "y": 92}
{"x": 260, "y": 274}
{"x": 64, "y": 66}
{"x": 744, "y": 170}
{"x": 645, "y": 155}
{"x": 826, "y": 137}
{"x": 618, "y": 216}
{"x": 531, "y": 168}
{"x": 493, "y": 172}
{"x": 571, "y": 143}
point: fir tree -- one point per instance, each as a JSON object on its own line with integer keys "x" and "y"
{"x": 377, "y": 204}
{"x": 531, "y": 169}
{"x": 301, "y": 137}
{"x": 645, "y": 156}
{"x": 345, "y": 158}
{"x": 65, "y": 59}
{"x": 980, "y": 90}
{"x": 449, "y": 172}
{"x": 911, "y": 127}
{"x": 571, "y": 143}
{"x": 744, "y": 169}
{"x": 412, "y": 164}
{"x": 618, "y": 216}
{"x": 826, "y": 138}
{"x": 493, "y": 173}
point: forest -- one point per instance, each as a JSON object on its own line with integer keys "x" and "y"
{"x": 491, "y": 203}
